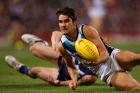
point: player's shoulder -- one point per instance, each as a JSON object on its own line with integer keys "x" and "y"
{"x": 89, "y": 29}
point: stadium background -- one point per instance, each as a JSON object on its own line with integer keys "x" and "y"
{"x": 38, "y": 17}
{"x": 121, "y": 24}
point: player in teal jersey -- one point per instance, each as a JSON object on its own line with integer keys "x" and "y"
{"x": 113, "y": 64}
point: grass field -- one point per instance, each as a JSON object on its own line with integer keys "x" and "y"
{"x": 12, "y": 81}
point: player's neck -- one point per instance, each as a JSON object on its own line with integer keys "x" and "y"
{"x": 73, "y": 35}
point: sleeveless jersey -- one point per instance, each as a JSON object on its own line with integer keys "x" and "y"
{"x": 70, "y": 47}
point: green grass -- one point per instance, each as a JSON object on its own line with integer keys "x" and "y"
{"x": 12, "y": 81}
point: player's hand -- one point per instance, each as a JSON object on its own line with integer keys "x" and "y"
{"x": 51, "y": 81}
{"x": 73, "y": 85}
{"x": 55, "y": 49}
{"x": 91, "y": 63}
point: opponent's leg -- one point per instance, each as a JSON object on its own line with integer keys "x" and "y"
{"x": 124, "y": 81}
{"x": 43, "y": 52}
{"x": 14, "y": 63}
{"x": 31, "y": 39}
{"x": 46, "y": 74}
{"x": 39, "y": 47}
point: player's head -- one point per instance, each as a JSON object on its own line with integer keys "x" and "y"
{"x": 67, "y": 20}
{"x": 68, "y": 12}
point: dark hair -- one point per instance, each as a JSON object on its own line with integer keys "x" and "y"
{"x": 67, "y": 11}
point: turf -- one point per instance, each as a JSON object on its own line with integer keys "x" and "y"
{"x": 12, "y": 81}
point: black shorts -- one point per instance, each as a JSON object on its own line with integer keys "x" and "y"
{"x": 63, "y": 72}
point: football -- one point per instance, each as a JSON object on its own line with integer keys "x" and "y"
{"x": 86, "y": 49}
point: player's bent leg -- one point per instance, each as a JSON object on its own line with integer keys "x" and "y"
{"x": 87, "y": 80}
{"x": 31, "y": 39}
{"x": 14, "y": 63}
{"x": 128, "y": 61}
{"x": 45, "y": 52}
{"x": 124, "y": 81}
{"x": 46, "y": 74}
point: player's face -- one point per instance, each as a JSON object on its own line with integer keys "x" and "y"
{"x": 66, "y": 24}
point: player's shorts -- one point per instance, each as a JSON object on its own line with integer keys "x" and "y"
{"x": 63, "y": 71}
{"x": 108, "y": 68}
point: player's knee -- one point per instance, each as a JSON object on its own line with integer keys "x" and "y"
{"x": 34, "y": 49}
{"x": 129, "y": 56}
{"x": 90, "y": 79}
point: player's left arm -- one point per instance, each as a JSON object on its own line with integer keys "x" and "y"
{"x": 92, "y": 35}
{"x": 70, "y": 66}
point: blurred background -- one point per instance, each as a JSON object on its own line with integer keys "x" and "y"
{"x": 116, "y": 20}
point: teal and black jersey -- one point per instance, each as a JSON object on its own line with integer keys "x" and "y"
{"x": 70, "y": 45}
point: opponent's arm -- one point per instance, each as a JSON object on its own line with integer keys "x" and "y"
{"x": 92, "y": 35}
{"x": 56, "y": 36}
{"x": 55, "y": 39}
{"x": 70, "y": 66}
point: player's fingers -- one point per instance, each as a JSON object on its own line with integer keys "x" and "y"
{"x": 90, "y": 63}
{"x": 86, "y": 63}
{"x": 73, "y": 85}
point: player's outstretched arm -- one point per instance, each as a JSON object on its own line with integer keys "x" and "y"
{"x": 70, "y": 66}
